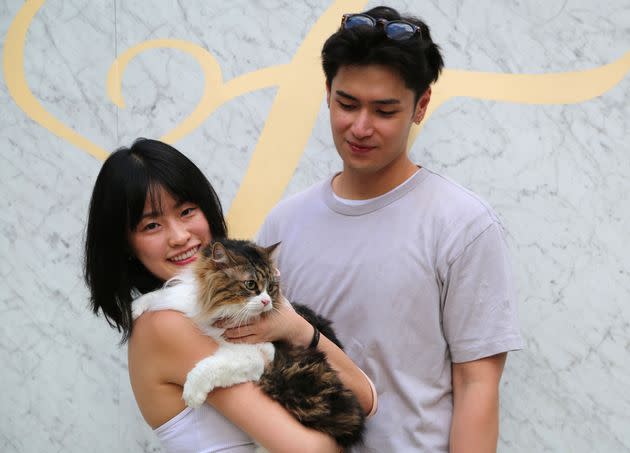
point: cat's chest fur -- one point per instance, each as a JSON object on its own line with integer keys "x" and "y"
{"x": 180, "y": 294}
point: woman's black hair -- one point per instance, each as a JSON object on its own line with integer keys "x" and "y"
{"x": 127, "y": 178}
{"x": 417, "y": 60}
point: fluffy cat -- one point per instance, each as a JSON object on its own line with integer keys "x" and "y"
{"x": 237, "y": 280}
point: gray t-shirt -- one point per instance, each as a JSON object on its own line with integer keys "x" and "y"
{"x": 413, "y": 281}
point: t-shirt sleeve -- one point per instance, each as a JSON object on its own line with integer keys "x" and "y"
{"x": 480, "y": 316}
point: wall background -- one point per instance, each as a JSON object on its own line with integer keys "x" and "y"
{"x": 555, "y": 172}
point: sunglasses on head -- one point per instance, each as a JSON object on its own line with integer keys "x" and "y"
{"x": 397, "y": 30}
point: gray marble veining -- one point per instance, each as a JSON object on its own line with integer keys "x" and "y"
{"x": 556, "y": 174}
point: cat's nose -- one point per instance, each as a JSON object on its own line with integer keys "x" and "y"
{"x": 265, "y": 302}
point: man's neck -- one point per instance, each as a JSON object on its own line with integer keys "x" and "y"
{"x": 355, "y": 185}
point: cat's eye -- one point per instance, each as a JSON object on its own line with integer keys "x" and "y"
{"x": 250, "y": 284}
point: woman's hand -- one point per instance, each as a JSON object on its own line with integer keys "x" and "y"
{"x": 280, "y": 324}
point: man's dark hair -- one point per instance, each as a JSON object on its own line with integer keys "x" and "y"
{"x": 127, "y": 178}
{"x": 417, "y": 60}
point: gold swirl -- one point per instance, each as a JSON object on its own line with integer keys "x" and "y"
{"x": 15, "y": 78}
{"x": 553, "y": 88}
{"x": 215, "y": 91}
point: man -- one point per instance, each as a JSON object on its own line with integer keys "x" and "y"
{"x": 411, "y": 267}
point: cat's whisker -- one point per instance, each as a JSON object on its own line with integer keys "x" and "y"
{"x": 242, "y": 317}
{"x": 238, "y": 319}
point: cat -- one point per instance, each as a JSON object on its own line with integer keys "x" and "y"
{"x": 237, "y": 280}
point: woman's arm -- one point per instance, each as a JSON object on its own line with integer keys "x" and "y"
{"x": 177, "y": 345}
{"x": 287, "y": 325}
{"x": 265, "y": 420}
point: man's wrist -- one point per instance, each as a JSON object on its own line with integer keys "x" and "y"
{"x": 314, "y": 339}
{"x": 304, "y": 333}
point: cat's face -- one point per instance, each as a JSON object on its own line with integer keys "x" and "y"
{"x": 237, "y": 281}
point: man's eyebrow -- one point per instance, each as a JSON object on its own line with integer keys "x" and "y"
{"x": 391, "y": 101}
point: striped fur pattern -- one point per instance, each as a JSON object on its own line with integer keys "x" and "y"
{"x": 232, "y": 278}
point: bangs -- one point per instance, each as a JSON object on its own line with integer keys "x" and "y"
{"x": 148, "y": 183}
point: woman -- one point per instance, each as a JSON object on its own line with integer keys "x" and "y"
{"x": 151, "y": 211}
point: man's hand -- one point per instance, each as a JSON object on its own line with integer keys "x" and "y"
{"x": 280, "y": 324}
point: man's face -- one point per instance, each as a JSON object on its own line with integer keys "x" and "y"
{"x": 371, "y": 113}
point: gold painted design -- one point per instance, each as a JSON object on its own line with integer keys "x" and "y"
{"x": 215, "y": 91}
{"x": 15, "y": 78}
{"x": 554, "y": 88}
{"x": 294, "y": 111}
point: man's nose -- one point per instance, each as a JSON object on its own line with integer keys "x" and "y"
{"x": 362, "y": 126}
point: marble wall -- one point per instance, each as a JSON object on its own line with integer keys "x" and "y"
{"x": 555, "y": 168}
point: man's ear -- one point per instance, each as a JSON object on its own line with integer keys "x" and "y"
{"x": 421, "y": 106}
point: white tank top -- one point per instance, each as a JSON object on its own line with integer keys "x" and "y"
{"x": 202, "y": 430}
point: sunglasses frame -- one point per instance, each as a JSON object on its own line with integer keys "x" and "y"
{"x": 383, "y": 23}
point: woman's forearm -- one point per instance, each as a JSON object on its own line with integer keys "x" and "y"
{"x": 267, "y": 422}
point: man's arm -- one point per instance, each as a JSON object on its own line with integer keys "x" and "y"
{"x": 475, "y": 424}
{"x": 287, "y": 325}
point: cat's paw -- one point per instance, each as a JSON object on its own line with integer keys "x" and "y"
{"x": 194, "y": 394}
{"x": 201, "y": 380}
{"x": 268, "y": 351}
{"x": 139, "y": 306}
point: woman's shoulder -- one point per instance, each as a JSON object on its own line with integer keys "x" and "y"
{"x": 169, "y": 331}
{"x": 170, "y": 342}
{"x": 161, "y": 325}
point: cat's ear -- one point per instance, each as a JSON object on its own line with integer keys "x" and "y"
{"x": 272, "y": 251}
{"x": 219, "y": 254}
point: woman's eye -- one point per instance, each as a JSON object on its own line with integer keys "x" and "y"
{"x": 250, "y": 284}
{"x": 188, "y": 211}
{"x": 150, "y": 226}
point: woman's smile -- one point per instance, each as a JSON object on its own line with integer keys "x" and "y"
{"x": 186, "y": 257}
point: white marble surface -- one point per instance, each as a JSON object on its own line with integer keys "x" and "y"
{"x": 557, "y": 174}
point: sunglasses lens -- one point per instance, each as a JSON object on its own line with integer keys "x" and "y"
{"x": 399, "y": 30}
{"x": 359, "y": 20}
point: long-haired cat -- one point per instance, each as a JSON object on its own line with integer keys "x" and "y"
{"x": 238, "y": 281}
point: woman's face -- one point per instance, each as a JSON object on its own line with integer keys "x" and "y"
{"x": 166, "y": 242}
